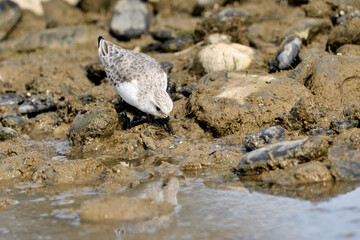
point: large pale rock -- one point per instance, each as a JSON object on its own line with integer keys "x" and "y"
{"x": 227, "y": 57}
{"x": 226, "y": 102}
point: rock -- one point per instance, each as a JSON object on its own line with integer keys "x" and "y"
{"x": 309, "y": 172}
{"x": 350, "y": 50}
{"x": 167, "y": 66}
{"x": 95, "y": 120}
{"x": 31, "y": 5}
{"x": 59, "y": 13}
{"x": 341, "y": 126}
{"x": 186, "y": 90}
{"x": 233, "y": 22}
{"x": 287, "y": 54}
{"x": 347, "y": 33}
{"x": 217, "y": 38}
{"x": 130, "y": 19}
{"x": 95, "y": 72}
{"x": 317, "y": 9}
{"x": 177, "y": 44}
{"x": 318, "y": 130}
{"x": 343, "y": 17}
{"x": 305, "y": 68}
{"x": 56, "y": 38}
{"x": 163, "y": 35}
{"x": 297, "y": 2}
{"x": 302, "y": 115}
{"x": 344, "y": 156}
{"x": 335, "y": 81}
{"x": 282, "y": 155}
{"x": 98, "y": 6}
{"x": 14, "y": 122}
{"x": 264, "y": 137}
{"x": 226, "y": 57}
{"x": 7, "y": 133}
{"x": 115, "y": 209}
{"x": 308, "y": 28}
{"x": 10, "y": 14}
{"x": 226, "y": 102}
{"x": 36, "y": 105}
{"x": 11, "y": 99}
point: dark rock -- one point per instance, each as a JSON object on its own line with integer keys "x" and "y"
{"x": 95, "y": 5}
{"x": 163, "y": 35}
{"x": 130, "y": 19}
{"x": 36, "y": 105}
{"x": 297, "y": 2}
{"x": 318, "y": 130}
{"x": 10, "y": 14}
{"x": 95, "y": 120}
{"x": 343, "y": 17}
{"x": 282, "y": 155}
{"x": 11, "y": 99}
{"x": 347, "y": 33}
{"x": 264, "y": 137}
{"x": 287, "y": 54}
{"x": 7, "y": 133}
{"x": 343, "y": 125}
{"x": 167, "y": 67}
{"x": 12, "y": 121}
{"x": 151, "y": 47}
{"x": 95, "y": 72}
{"x": 177, "y": 44}
{"x": 187, "y": 90}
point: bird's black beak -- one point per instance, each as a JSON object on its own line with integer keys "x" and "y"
{"x": 99, "y": 39}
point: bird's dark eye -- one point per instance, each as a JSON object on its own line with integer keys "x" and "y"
{"x": 157, "y": 108}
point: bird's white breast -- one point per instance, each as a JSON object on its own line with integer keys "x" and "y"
{"x": 129, "y": 92}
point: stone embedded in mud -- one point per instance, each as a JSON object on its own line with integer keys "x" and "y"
{"x": 12, "y": 121}
{"x": 163, "y": 35}
{"x": 177, "y": 44}
{"x": 36, "y": 105}
{"x": 233, "y": 22}
{"x": 111, "y": 209}
{"x": 95, "y": 120}
{"x": 10, "y": 14}
{"x": 226, "y": 102}
{"x": 95, "y": 5}
{"x": 287, "y": 54}
{"x": 303, "y": 115}
{"x": 308, "y": 28}
{"x": 309, "y": 172}
{"x": 344, "y": 156}
{"x": 335, "y": 80}
{"x": 344, "y": 125}
{"x": 226, "y": 57}
{"x": 350, "y": 50}
{"x": 130, "y": 19}
{"x": 318, "y": 130}
{"x": 55, "y": 38}
{"x": 263, "y": 137}
{"x": 11, "y": 99}
{"x": 167, "y": 66}
{"x": 7, "y": 133}
{"x": 347, "y": 33}
{"x": 95, "y": 72}
{"x": 282, "y": 155}
{"x": 317, "y": 8}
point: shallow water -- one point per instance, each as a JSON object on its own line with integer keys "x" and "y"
{"x": 205, "y": 210}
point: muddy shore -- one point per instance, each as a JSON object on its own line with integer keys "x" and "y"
{"x": 266, "y": 97}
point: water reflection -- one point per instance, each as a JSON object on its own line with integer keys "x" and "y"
{"x": 163, "y": 190}
{"x": 312, "y": 191}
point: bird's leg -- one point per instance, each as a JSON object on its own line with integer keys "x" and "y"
{"x": 168, "y": 128}
{"x": 126, "y": 124}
